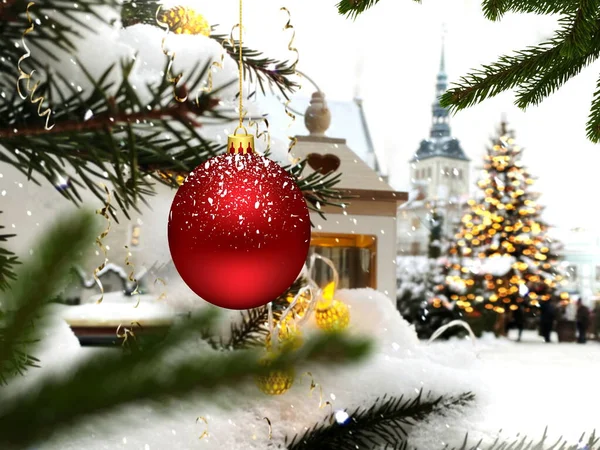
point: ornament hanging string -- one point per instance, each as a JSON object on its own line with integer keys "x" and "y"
{"x": 174, "y": 80}
{"x": 104, "y": 213}
{"x": 241, "y": 68}
{"x": 27, "y": 76}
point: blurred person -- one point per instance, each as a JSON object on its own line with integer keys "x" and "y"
{"x": 597, "y": 320}
{"x": 583, "y": 321}
{"x": 519, "y": 320}
{"x": 547, "y": 317}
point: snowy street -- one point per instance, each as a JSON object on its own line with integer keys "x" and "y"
{"x": 539, "y": 384}
{"x": 535, "y": 385}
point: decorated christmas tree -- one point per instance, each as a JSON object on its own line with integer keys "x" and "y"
{"x": 423, "y": 297}
{"x": 504, "y": 258}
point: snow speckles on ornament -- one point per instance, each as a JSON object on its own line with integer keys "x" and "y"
{"x": 238, "y": 210}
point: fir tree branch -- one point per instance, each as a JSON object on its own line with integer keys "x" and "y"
{"x": 384, "y": 423}
{"x": 526, "y": 443}
{"x": 266, "y": 71}
{"x": 353, "y": 8}
{"x": 498, "y": 77}
{"x": 39, "y": 280}
{"x": 110, "y": 133}
{"x": 495, "y": 9}
{"x": 537, "y": 71}
{"x": 580, "y": 29}
{"x": 253, "y": 328}
{"x": 533, "y": 91}
{"x": 318, "y": 189}
{"x": 7, "y": 262}
{"x": 58, "y": 25}
{"x": 593, "y": 124}
{"x": 109, "y": 380}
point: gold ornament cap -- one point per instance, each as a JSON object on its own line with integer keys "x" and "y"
{"x": 240, "y": 143}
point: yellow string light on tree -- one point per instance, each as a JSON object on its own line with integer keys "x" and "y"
{"x": 275, "y": 382}
{"x": 331, "y": 314}
{"x": 182, "y": 20}
{"x": 285, "y": 333}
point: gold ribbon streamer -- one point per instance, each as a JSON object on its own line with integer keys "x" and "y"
{"x": 270, "y": 428}
{"x": 205, "y": 432}
{"x": 104, "y": 213}
{"x": 127, "y": 333}
{"x": 289, "y": 26}
{"x": 163, "y": 295}
{"x": 313, "y": 386}
{"x": 171, "y": 79}
{"x": 291, "y": 48}
{"x": 217, "y": 64}
{"x": 131, "y": 276}
{"x": 265, "y": 135}
{"x": 27, "y": 76}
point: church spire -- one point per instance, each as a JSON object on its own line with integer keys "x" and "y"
{"x": 443, "y": 57}
{"x": 440, "y": 126}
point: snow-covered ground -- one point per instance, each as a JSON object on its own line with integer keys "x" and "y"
{"x": 520, "y": 387}
{"x": 533, "y": 385}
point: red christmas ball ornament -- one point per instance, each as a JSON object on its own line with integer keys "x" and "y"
{"x": 239, "y": 228}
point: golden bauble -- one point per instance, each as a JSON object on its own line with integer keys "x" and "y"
{"x": 276, "y": 382}
{"x": 182, "y": 20}
{"x": 172, "y": 176}
{"x": 332, "y": 316}
{"x": 302, "y": 304}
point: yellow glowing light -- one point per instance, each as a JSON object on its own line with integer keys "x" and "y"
{"x": 328, "y": 291}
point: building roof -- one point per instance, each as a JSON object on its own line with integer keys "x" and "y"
{"x": 356, "y": 174}
{"x": 348, "y": 121}
{"x": 440, "y": 142}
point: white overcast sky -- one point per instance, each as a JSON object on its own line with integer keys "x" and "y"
{"x": 398, "y": 45}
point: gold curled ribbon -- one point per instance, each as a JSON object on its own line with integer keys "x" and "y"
{"x": 163, "y": 294}
{"x": 205, "y": 432}
{"x": 291, "y": 48}
{"x": 127, "y": 333}
{"x": 171, "y": 55}
{"x": 27, "y": 76}
{"x": 270, "y": 428}
{"x": 104, "y": 213}
{"x": 265, "y": 135}
{"x": 289, "y": 26}
{"x": 313, "y": 386}
{"x": 131, "y": 276}
{"x": 217, "y": 64}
